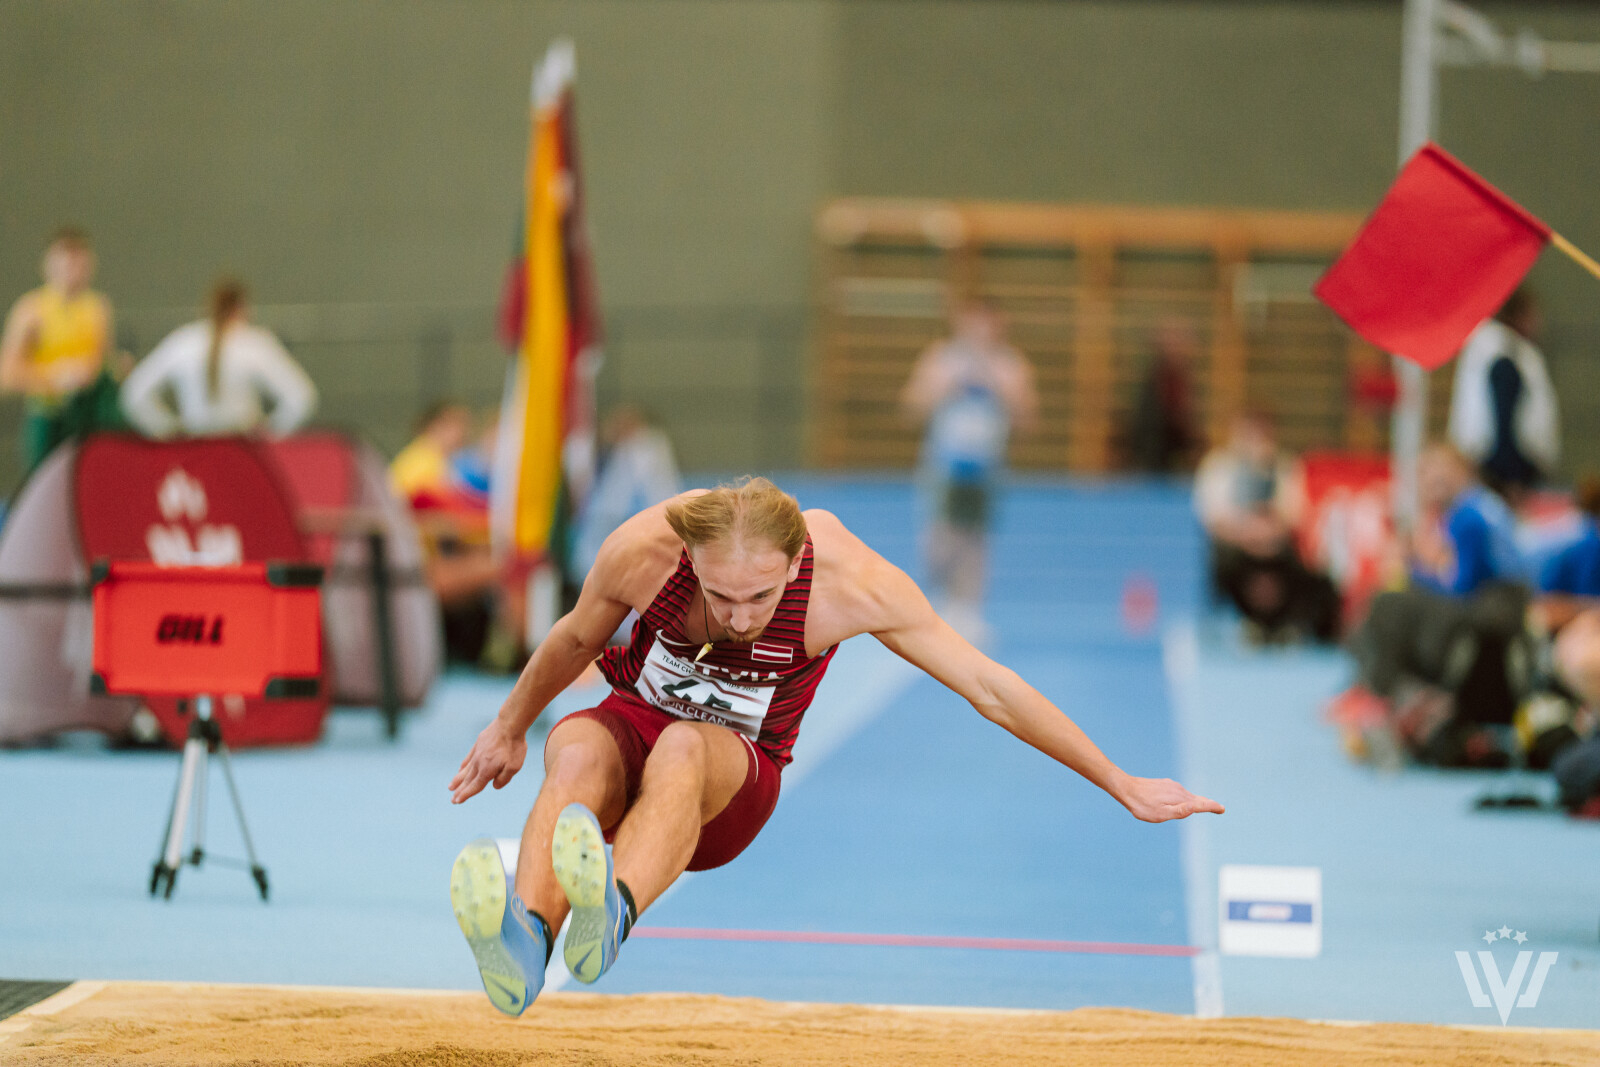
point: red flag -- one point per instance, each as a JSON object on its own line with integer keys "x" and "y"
{"x": 1440, "y": 254}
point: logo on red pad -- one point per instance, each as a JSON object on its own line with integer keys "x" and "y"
{"x": 183, "y": 504}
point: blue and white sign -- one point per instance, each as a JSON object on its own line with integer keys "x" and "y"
{"x": 1270, "y": 911}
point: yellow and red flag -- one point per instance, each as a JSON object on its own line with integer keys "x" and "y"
{"x": 546, "y": 451}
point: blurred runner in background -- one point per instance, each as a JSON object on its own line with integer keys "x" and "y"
{"x": 212, "y": 376}
{"x": 969, "y": 391}
{"x": 54, "y": 351}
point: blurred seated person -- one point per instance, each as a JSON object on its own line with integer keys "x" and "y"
{"x": 472, "y": 467}
{"x": 637, "y": 470}
{"x": 460, "y": 569}
{"x": 1572, "y": 575}
{"x": 1562, "y": 689}
{"x": 1249, "y": 496}
{"x": 1434, "y": 670}
{"x": 1558, "y": 678}
{"x": 1503, "y": 411}
{"x": 219, "y": 375}
{"x": 1160, "y": 437}
{"x": 1558, "y": 726}
{"x": 1465, "y": 535}
{"x": 420, "y": 472}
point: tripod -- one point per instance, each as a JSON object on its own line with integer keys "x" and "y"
{"x": 203, "y": 740}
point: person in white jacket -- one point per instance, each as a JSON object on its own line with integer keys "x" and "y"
{"x": 1503, "y": 413}
{"x": 219, "y": 375}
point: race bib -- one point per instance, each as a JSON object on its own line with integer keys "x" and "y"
{"x": 672, "y": 683}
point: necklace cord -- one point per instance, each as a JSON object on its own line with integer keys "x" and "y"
{"x": 705, "y": 617}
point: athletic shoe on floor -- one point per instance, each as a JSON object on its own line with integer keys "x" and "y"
{"x": 583, "y": 867}
{"x": 506, "y": 941}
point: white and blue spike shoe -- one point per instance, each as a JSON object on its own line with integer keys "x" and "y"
{"x": 583, "y": 868}
{"x": 506, "y": 942}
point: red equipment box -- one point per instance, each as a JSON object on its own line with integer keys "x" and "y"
{"x": 250, "y": 630}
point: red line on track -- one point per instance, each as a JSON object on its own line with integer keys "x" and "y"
{"x": 1004, "y": 944}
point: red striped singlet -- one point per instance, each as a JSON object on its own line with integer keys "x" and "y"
{"x": 760, "y": 689}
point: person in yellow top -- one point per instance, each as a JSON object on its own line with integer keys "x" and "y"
{"x": 420, "y": 473}
{"x": 54, "y": 350}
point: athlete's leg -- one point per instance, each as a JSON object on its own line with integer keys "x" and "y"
{"x": 582, "y": 765}
{"x": 693, "y": 771}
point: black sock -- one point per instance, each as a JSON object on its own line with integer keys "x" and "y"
{"x": 549, "y": 938}
{"x": 633, "y": 912}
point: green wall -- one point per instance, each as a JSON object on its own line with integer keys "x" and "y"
{"x": 359, "y": 161}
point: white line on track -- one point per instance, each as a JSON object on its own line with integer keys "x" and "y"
{"x": 1180, "y": 659}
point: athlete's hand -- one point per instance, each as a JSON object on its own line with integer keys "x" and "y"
{"x": 496, "y": 757}
{"x": 1160, "y": 799}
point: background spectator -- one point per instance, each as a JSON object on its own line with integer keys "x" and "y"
{"x": 439, "y": 476}
{"x": 1436, "y": 663}
{"x": 1574, "y": 571}
{"x": 219, "y": 375}
{"x": 54, "y": 351}
{"x": 1160, "y": 437}
{"x": 637, "y": 470}
{"x": 420, "y": 473}
{"x": 1465, "y": 535}
{"x": 1503, "y": 412}
{"x": 1249, "y": 496}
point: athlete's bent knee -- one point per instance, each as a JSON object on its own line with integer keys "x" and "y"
{"x": 581, "y": 761}
{"x": 681, "y": 744}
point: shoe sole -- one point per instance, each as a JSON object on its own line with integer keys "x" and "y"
{"x": 578, "y": 854}
{"x": 478, "y": 897}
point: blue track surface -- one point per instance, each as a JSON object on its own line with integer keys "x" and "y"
{"x": 905, "y": 813}
{"x": 1411, "y": 873}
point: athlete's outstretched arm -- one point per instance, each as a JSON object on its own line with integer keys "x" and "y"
{"x": 572, "y": 644}
{"x": 909, "y": 626}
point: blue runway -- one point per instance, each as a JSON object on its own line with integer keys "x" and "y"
{"x": 904, "y": 814}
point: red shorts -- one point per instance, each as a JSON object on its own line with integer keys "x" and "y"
{"x": 635, "y": 726}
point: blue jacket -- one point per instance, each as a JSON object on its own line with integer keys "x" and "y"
{"x": 1480, "y": 529}
{"x": 1575, "y": 570}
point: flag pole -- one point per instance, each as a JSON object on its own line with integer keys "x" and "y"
{"x": 1419, "y": 93}
{"x": 1579, "y": 256}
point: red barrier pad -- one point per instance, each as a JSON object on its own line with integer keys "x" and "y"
{"x": 252, "y": 630}
{"x": 319, "y": 471}
{"x": 202, "y": 502}
{"x": 206, "y": 501}
{"x": 1346, "y": 528}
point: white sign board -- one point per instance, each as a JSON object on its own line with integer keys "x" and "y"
{"x": 1270, "y": 911}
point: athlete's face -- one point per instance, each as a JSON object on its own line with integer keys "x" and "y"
{"x": 742, "y": 584}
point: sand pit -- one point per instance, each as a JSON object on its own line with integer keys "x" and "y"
{"x": 180, "y": 1025}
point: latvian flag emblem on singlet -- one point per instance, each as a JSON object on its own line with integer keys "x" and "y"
{"x": 771, "y": 653}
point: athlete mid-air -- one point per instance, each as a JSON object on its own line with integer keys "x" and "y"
{"x": 742, "y": 601}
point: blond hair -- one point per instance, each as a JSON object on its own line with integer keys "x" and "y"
{"x": 751, "y": 508}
